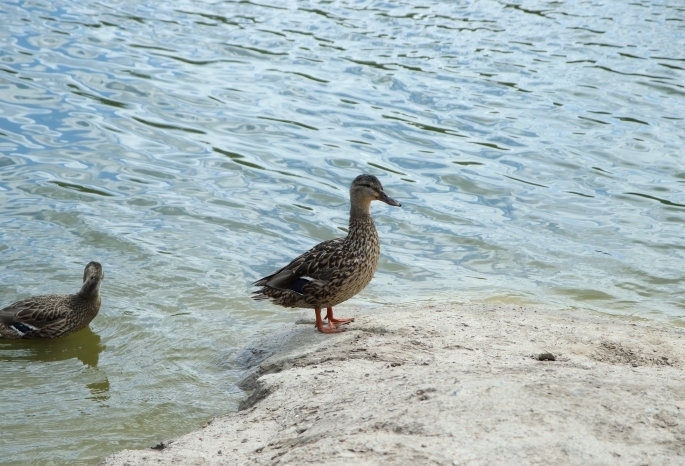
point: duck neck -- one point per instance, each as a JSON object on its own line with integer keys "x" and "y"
{"x": 360, "y": 218}
{"x": 90, "y": 289}
{"x": 360, "y": 209}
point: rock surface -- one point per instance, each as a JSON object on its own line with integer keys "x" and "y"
{"x": 454, "y": 384}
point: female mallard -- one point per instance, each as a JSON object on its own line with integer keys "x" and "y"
{"x": 54, "y": 315}
{"x": 335, "y": 270}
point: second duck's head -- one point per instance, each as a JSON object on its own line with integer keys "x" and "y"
{"x": 92, "y": 278}
{"x": 367, "y": 188}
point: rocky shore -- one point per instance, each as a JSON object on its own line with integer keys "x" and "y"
{"x": 453, "y": 384}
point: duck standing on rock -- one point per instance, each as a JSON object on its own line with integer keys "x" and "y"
{"x": 54, "y": 315}
{"x": 335, "y": 270}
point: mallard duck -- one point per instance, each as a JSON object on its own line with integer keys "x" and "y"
{"x": 54, "y": 315}
{"x": 335, "y": 270}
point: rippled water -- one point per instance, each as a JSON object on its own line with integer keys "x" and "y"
{"x": 192, "y": 147}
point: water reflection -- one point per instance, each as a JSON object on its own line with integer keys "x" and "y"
{"x": 99, "y": 391}
{"x": 43, "y": 355}
{"x": 84, "y": 345}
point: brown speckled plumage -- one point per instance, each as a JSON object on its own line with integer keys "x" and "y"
{"x": 335, "y": 270}
{"x": 54, "y": 315}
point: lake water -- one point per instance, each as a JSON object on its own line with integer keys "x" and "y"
{"x": 192, "y": 147}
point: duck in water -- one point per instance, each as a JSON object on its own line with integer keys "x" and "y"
{"x": 54, "y": 315}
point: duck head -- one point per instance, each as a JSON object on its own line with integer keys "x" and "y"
{"x": 367, "y": 188}
{"x": 92, "y": 278}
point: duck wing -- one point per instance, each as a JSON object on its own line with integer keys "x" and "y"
{"x": 34, "y": 313}
{"x": 319, "y": 263}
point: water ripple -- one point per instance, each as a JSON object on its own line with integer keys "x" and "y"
{"x": 192, "y": 147}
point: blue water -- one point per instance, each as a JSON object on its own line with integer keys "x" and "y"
{"x": 193, "y": 147}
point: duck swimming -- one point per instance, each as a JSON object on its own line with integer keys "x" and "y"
{"x": 54, "y": 315}
{"x": 335, "y": 270}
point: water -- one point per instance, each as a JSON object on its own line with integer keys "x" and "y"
{"x": 193, "y": 147}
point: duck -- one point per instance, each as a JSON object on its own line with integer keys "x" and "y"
{"x": 54, "y": 315}
{"x": 335, "y": 270}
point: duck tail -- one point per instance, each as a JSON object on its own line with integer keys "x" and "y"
{"x": 261, "y": 281}
{"x": 259, "y": 295}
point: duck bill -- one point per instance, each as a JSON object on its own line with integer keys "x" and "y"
{"x": 389, "y": 200}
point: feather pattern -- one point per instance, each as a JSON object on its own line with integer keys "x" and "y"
{"x": 54, "y": 315}
{"x": 335, "y": 270}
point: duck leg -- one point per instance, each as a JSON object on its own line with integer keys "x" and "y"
{"x": 319, "y": 323}
{"x": 340, "y": 320}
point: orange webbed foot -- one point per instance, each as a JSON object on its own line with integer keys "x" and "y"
{"x": 331, "y": 324}
{"x": 324, "y": 329}
{"x": 340, "y": 320}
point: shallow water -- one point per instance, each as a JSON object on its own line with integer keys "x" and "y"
{"x": 192, "y": 147}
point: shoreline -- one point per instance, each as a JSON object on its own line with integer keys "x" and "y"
{"x": 452, "y": 384}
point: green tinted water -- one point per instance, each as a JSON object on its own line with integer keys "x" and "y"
{"x": 192, "y": 147}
